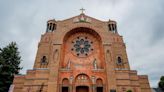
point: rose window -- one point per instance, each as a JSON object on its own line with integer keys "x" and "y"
{"x": 82, "y": 46}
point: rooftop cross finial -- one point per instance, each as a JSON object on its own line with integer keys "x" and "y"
{"x": 82, "y": 10}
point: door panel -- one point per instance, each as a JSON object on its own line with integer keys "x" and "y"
{"x": 99, "y": 89}
{"x": 82, "y": 89}
{"x": 64, "y": 89}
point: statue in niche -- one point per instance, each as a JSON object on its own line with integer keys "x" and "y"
{"x": 95, "y": 64}
{"x": 108, "y": 56}
{"x": 56, "y": 54}
{"x": 69, "y": 64}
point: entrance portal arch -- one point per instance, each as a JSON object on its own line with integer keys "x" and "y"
{"x": 82, "y": 79}
{"x": 82, "y": 83}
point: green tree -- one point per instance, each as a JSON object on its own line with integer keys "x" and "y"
{"x": 129, "y": 91}
{"x": 161, "y": 83}
{"x": 9, "y": 65}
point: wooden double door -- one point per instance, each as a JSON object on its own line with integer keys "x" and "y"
{"x": 82, "y": 89}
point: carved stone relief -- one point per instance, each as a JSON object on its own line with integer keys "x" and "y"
{"x": 56, "y": 55}
{"x": 108, "y": 56}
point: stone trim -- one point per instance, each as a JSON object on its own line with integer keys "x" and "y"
{"x": 37, "y": 79}
{"x": 35, "y": 85}
{"x": 40, "y": 69}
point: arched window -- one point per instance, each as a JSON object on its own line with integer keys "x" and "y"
{"x": 99, "y": 84}
{"x": 47, "y": 30}
{"x": 54, "y": 27}
{"x": 119, "y": 60}
{"x": 113, "y": 27}
{"x": 50, "y": 28}
{"x": 44, "y": 62}
{"x": 65, "y": 84}
{"x": 44, "y": 59}
{"x": 109, "y": 26}
{"x": 99, "y": 81}
{"x": 65, "y": 81}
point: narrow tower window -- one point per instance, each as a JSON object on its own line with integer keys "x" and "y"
{"x": 109, "y": 26}
{"x": 50, "y": 28}
{"x": 54, "y": 27}
{"x": 113, "y": 27}
{"x": 44, "y": 62}
{"x": 47, "y": 30}
{"x": 119, "y": 60}
{"x": 44, "y": 59}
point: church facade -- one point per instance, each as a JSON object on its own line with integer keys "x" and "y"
{"x": 81, "y": 54}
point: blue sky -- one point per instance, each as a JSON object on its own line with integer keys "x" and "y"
{"x": 141, "y": 24}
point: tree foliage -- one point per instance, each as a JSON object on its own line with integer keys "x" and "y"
{"x": 129, "y": 91}
{"x": 9, "y": 65}
{"x": 161, "y": 83}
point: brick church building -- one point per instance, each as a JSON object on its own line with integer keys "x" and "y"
{"x": 81, "y": 54}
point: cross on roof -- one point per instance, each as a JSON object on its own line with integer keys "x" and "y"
{"x": 82, "y": 10}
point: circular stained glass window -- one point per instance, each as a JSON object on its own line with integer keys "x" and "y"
{"x": 82, "y": 46}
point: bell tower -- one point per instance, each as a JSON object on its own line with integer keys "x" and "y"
{"x": 81, "y": 54}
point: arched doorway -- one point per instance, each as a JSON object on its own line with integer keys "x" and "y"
{"x": 82, "y": 83}
{"x": 82, "y": 89}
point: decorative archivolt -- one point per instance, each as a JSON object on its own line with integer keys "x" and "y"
{"x": 82, "y": 78}
{"x": 65, "y": 81}
{"x": 82, "y": 28}
{"x": 99, "y": 81}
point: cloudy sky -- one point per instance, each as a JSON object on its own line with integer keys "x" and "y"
{"x": 140, "y": 22}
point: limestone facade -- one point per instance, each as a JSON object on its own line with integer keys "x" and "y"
{"x": 81, "y": 54}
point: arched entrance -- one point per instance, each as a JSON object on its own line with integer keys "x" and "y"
{"x": 82, "y": 89}
{"x": 82, "y": 83}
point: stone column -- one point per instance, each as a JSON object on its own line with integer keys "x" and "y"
{"x": 110, "y": 69}
{"x": 93, "y": 88}
{"x": 71, "y": 84}
{"x": 53, "y": 68}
